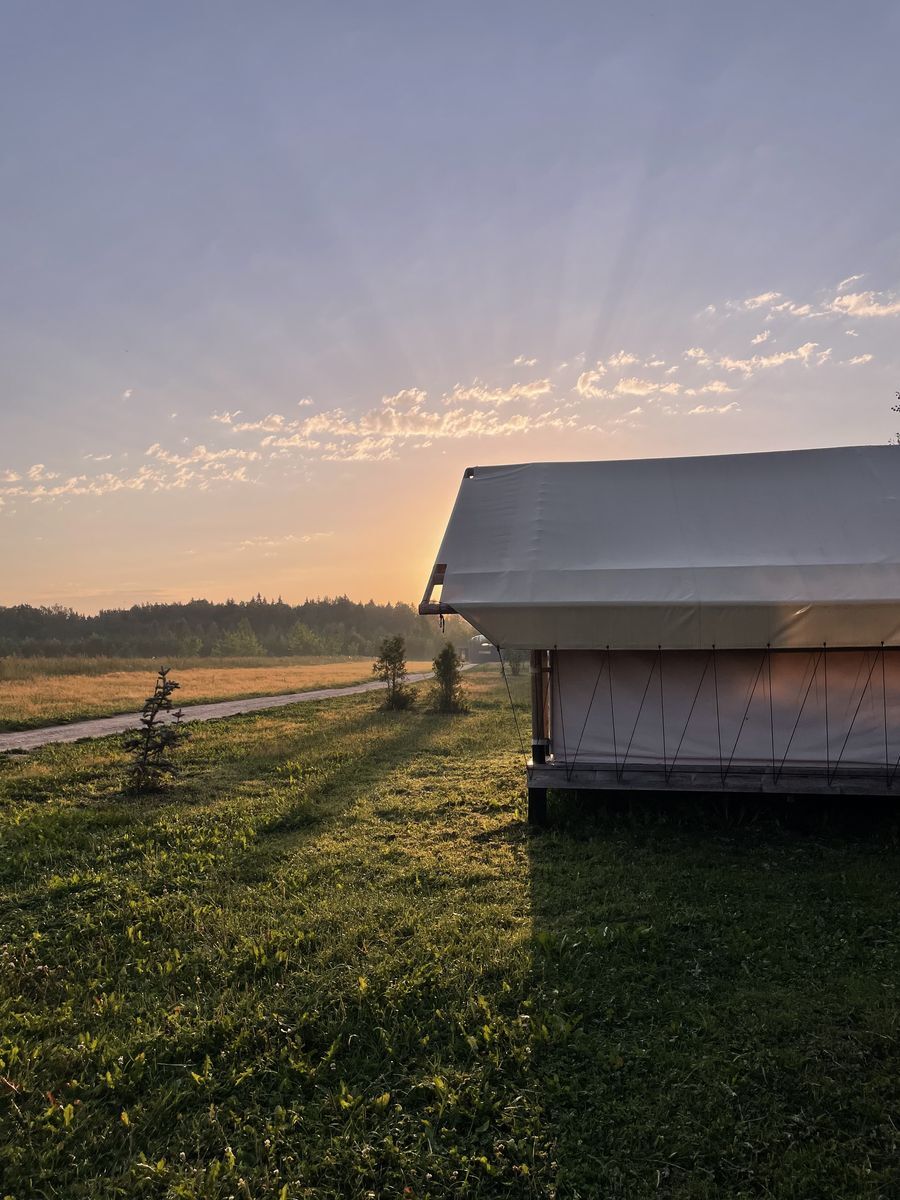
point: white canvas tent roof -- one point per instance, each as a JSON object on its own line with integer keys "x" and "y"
{"x": 789, "y": 549}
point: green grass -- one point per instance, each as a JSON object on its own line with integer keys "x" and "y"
{"x": 333, "y": 962}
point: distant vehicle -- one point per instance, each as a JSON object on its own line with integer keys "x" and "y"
{"x": 480, "y": 649}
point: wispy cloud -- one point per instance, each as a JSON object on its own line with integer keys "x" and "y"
{"x": 480, "y": 393}
{"x": 795, "y": 310}
{"x": 39, "y": 473}
{"x": 716, "y": 387}
{"x": 763, "y": 300}
{"x": 408, "y": 417}
{"x": 51, "y": 486}
{"x": 704, "y": 410}
{"x": 635, "y": 386}
{"x": 622, "y": 358}
{"x": 762, "y": 362}
{"x": 866, "y": 304}
{"x": 775, "y": 302}
{"x": 267, "y": 545}
{"x": 200, "y": 456}
{"x": 588, "y": 383}
{"x": 854, "y": 304}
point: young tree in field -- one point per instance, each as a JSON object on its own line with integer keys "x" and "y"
{"x": 390, "y": 668}
{"x": 447, "y": 695}
{"x": 152, "y": 745}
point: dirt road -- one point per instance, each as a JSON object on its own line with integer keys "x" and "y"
{"x": 32, "y": 739}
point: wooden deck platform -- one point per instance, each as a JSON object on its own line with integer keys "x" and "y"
{"x": 638, "y": 777}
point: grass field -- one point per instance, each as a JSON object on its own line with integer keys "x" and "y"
{"x": 43, "y": 692}
{"x": 333, "y": 962}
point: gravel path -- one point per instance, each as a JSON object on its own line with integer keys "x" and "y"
{"x": 31, "y": 739}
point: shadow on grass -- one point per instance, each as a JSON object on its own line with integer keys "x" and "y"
{"x": 124, "y": 825}
{"x": 337, "y": 788}
{"x": 714, "y": 814}
{"x": 720, "y": 975}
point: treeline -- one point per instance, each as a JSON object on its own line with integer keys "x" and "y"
{"x": 200, "y": 628}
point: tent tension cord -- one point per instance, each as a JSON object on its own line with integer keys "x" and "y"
{"x": 513, "y": 707}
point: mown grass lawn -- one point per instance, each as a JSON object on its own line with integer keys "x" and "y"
{"x": 333, "y": 962}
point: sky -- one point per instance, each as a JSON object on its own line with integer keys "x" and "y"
{"x": 273, "y": 274}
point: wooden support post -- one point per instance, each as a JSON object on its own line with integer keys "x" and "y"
{"x": 537, "y": 797}
{"x": 537, "y": 806}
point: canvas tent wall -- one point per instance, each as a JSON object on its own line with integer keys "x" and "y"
{"x": 772, "y": 567}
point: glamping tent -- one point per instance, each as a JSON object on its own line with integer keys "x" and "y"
{"x": 709, "y": 623}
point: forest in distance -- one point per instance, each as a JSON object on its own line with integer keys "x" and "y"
{"x": 201, "y": 628}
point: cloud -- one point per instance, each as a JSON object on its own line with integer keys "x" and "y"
{"x": 199, "y": 456}
{"x": 761, "y": 362}
{"x": 588, "y": 383}
{"x": 167, "y": 472}
{"x": 845, "y": 283}
{"x": 703, "y": 410}
{"x": 406, "y": 418}
{"x": 521, "y": 361}
{"x": 761, "y": 337}
{"x": 128, "y": 393}
{"x": 267, "y": 544}
{"x": 775, "y": 302}
{"x": 716, "y": 387}
{"x": 225, "y": 418}
{"x": 635, "y": 386}
{"x": 97, "y": 457}
{"x": 866, "y": 304}
{"x": 860, "y": 360}
{"x": 763, "y": 300}
{"x": 795, "y": 310}
{"x": 40, "y": 473}
{"x": 698, "y": 355}
{"x": 306, "y": 402}
{"x": 478, "y": 393}
{"x": 622, "y": 359}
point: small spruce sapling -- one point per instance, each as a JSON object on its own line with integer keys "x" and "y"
{"x": 390, "y": 668}
{"x": 447, "y": 695}
{"x": 151, "y": 745}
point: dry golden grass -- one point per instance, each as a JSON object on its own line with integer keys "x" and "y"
{"x": 51, "y": 699}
